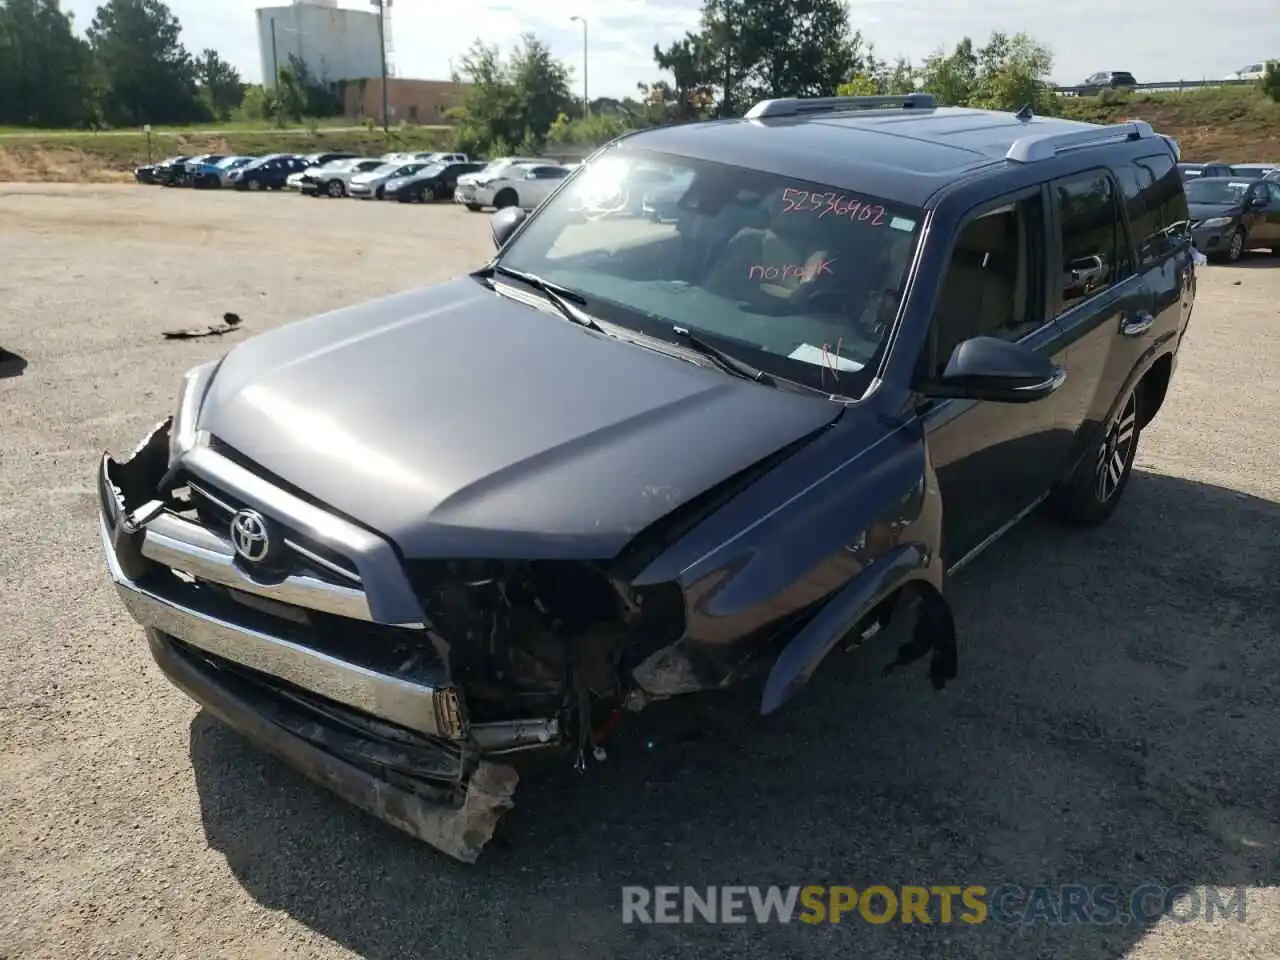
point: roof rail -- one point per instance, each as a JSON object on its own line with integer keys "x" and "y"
{"x": 1046, "y": 146}
{"x": 794, "y": 106}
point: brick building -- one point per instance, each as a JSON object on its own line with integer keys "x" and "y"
{"x": 412, "y": 101}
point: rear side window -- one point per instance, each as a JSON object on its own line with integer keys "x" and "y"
{"x": 1156, "y": 203}
{"x": 1091, "y": 239}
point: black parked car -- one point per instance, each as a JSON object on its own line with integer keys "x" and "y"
{"x": 158, "y": 172}
{"x": 1107, "y": 80}
{"x": 184, "y": 174}
{"x": 1231, "y": 215}
{"x": 1194, "y": 171}
{"x": 432, "y": 537}
{"x": 266, "y": 173}
{"x": 437, "y": 181}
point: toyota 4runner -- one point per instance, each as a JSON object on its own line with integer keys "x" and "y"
{"x": 410, "y": 544}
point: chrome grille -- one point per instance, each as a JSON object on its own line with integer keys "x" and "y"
{"x": 214, "y": 509}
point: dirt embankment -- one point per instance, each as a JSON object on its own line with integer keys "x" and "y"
{"x": 1232, "y": 124}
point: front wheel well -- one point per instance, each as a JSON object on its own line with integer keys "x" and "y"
{"x": 1152, "y": 389}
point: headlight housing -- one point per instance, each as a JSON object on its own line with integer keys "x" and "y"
{"x": 1217, "y": 222}
{"x": 182, "y": 433}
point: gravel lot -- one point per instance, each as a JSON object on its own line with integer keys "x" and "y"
{"x": 1115, "y": 718}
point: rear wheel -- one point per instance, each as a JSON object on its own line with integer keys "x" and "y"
{"x": 1092, "y": 493}
{"x": 335, "y": 188}
{"x": 473, "y": 207}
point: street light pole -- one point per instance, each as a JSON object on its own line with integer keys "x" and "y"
{"x": 586, "y": 99}
{"x": 382, "y": 47}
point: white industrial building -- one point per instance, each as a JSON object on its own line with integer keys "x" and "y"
{"x": 334, "y": 43}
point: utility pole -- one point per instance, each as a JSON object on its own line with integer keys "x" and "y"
{"x": 586, "y": 97}
{"x": 275, "y": 60}
{"x": 382, "y": 49}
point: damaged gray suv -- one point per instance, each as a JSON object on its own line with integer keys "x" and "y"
{"x": 409, "y": 545}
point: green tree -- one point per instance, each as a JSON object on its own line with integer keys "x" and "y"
{"x": 220, "y": 84}
{"x": 542, "y": 86}
{"x": 1270, "y": 82}
{"x": 510, "y": 103}
{"x": 45, "y": 69}
{"x": 688, "y": 62}
{"x": 1013, "y": 72}
{"x": 952, "y": 79}
{"x": 146, "y": 74}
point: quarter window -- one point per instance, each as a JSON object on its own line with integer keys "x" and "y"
{"x": 1091, "y": 236}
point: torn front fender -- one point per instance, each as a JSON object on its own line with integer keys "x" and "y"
{"x": 840, "y": 614}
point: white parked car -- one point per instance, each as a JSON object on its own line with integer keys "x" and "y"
{"x": 494, "y": 168}
{"x": 368, "y": 186}
{"x": 523, "y": 185}
{"x": 1253, "y": 71}
{"x": 437, "y": 157}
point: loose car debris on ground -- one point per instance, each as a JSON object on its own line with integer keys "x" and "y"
{"x": 231, "y": 322}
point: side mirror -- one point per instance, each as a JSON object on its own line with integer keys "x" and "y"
{"x": 503, "y": 224}
{"x": 986, "y": 368}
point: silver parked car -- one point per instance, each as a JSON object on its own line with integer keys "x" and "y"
{"x": 368, "y": 186}
{"x": 332, "y": 179}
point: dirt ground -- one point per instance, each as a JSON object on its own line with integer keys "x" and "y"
{"x": 1115, "y": 720}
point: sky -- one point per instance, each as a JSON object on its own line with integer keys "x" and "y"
{"x": 1157, "y": 40}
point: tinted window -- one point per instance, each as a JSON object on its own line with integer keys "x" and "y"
{"x": 1090, "y": 236}
{"x": 1156, "y": 203}
{"x": 987, "y": 289}
{"x": 1274, "y": 190}
{"x": 800, "y": 279}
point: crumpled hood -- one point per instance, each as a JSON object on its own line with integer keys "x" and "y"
{"x": 460, "y": 423}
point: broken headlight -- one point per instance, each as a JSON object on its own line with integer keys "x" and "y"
{"x": 182, "y": 433}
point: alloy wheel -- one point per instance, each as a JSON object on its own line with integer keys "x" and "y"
{"x": 1114, "y": 452}
{"x": 335, "y": 188}
{"x": 255, "y": 185}
{"x": 1237, "y": 245}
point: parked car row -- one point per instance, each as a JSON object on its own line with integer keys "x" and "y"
{"x": 522, "y": 182}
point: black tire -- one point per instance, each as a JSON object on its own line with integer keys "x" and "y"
{"x": 1091, "y": 494}
{"x": 505, "y": 198}
{"x": 426, "y": 194}
{"x": 379, "y": 194}
{"x": 1235, "y": 246}
{"x": 335, "y": 189}
{"x": 473, "y": 207}
{"x": 254, "y": 185}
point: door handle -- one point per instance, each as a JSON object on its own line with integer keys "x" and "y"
{"x": 1137, "y": 324}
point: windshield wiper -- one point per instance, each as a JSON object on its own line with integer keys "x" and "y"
{"x": 726, "y": 362}
{"x": 562, "y": 298}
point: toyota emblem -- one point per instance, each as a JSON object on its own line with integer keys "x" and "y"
{"x": 249, "y": 535}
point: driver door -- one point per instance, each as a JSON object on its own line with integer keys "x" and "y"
{"x": 994, "y": 461}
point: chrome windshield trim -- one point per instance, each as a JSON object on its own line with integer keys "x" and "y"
{"x": 181, "y": 545}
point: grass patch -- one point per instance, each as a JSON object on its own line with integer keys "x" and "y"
{"x": 1232, "y": 124}
{"x": 105, "y": 157}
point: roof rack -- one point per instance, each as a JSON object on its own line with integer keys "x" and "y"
{"x": 1046, "y": 146}
{"x": 794, "y": 106}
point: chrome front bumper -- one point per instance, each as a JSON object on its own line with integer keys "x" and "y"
{"x": 144, "y": 547}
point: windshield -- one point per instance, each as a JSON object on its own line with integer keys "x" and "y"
{"x": 799, "y": 279}
{"x": 1216, "y": 191}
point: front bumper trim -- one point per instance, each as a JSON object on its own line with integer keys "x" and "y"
{"x": 461, "y": 831}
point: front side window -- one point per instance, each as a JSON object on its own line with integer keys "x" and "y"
{"x": 1091, "y": 236}
{"x": 1157, "y": 205}
{"x": 990, "y": 287}
{"x": 796, "y": 278}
